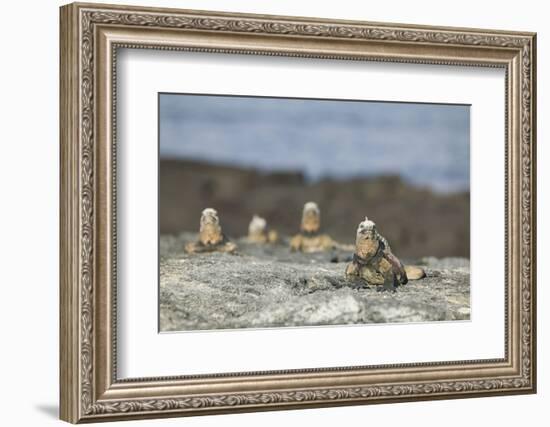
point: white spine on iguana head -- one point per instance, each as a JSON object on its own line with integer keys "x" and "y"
{"x": 209, "y": 216}
{"x": 366, "y": 226}
{"x": 311, "y": 206}
{"x": 258, "y": 225}
{"x": 311, "y": 218}
{"x": 369, "y": 226}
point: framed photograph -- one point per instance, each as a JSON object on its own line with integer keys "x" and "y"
{"x": 267, "y": 212}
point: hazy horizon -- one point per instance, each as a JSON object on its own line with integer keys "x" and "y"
{"x": 424, "y": 144}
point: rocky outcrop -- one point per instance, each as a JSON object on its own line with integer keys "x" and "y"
{"x": 264, "y": 286}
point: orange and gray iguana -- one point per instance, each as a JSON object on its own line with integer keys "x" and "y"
{"x": 375, "y": 263}
{"x": 211, "y": 237}
{"x": 258, "y": 232}
{"x": 310, "y": 239}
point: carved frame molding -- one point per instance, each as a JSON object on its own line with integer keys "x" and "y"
{"x": 90, "y": 37}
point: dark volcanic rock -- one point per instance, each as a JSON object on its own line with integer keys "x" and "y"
{"x": 416, "y": 221}
{"x": 269, "y": 286}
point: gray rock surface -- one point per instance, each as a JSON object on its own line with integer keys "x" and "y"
{"x": 269, "y": 286}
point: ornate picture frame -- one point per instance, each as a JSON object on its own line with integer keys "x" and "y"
{"x": 90, "y": 37}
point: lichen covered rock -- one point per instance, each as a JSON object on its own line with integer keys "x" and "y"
{"x": 266, "y": 286}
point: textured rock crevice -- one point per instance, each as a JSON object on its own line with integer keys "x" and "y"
{"x": 268, "y": 286}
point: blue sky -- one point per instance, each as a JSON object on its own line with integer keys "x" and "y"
{"x": 426, "y": 144}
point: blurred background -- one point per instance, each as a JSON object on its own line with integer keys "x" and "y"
{"x": 406, "y": 166}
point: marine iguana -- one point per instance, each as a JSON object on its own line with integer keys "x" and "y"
{"x": 374, "y": 261}
{"x": 258, "y": 232}
{"x": 211, "y": 237}
{"x": 310, "y": 239}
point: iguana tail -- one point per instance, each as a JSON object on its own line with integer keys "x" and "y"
{"x": 414, "y": 272}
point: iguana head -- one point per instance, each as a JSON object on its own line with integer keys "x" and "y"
{"x": 367, "y": 229}
{"x": 257, "y": 226}
{"x": 311, "y": 218}
{"x": 210, "y": 229}
{"x": 367, "y": 241}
